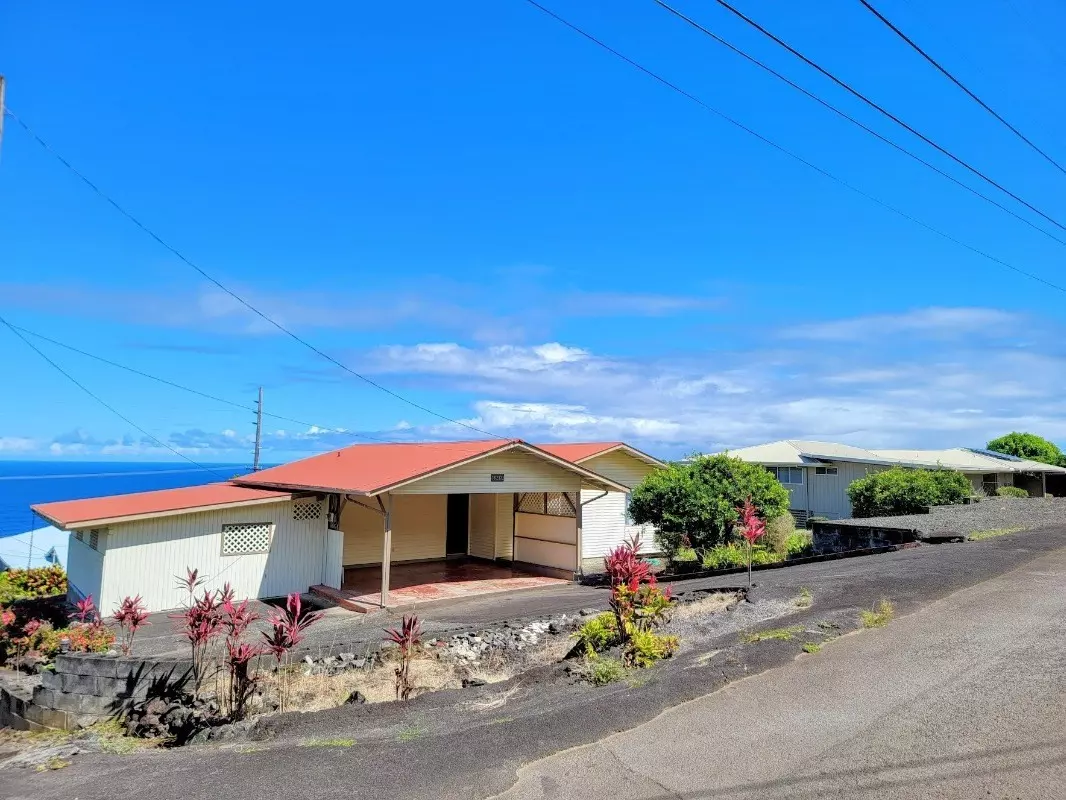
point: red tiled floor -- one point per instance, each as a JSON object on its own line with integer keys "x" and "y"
{"x": 436, "y": 580}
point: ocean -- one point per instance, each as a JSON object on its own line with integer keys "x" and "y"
{"x": 23, "y": 483}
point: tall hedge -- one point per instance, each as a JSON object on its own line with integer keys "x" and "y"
{"x": 906, "y": 491}
{"x": 699, "y": 500}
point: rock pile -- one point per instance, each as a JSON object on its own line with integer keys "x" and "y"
{"x": 507, "y": 640}
{"x": 342, "y": 662}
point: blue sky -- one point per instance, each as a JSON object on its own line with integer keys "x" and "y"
{"x": 484, "y": 212}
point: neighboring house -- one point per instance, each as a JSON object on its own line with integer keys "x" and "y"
{"x": 292, "y": 527}
{"x": 42, "y": 547}
{"x": 817, "y": 474}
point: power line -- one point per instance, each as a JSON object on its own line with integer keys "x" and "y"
{"x": 207, "y": 276}
{"x": 869, "y": 7}
{"x": 780, "y": 148}
{"x": 881, "y": 109}
{"x": 102, "y": 402}
{"x": 849, "y": 118}
{"x": 198, "y": 393}
{"x": 188, "y": 389}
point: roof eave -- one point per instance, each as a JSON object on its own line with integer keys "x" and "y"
{"x": 80, "y": 524}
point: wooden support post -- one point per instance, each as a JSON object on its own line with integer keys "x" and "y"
{"x": 386, "y": 555}
{"x": 578, "y": 521}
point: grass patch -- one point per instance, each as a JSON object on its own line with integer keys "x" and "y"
{"x": 327, "y": 743}
{"x": 784, "y": 634}
{"x": 119, "y": 746}
{"x": 602, "y": 671}
{"x": 811, "y": 647}
{"x": 880, "y": 616}
{"x": 980, "y": 536}
{"x": 249, "y": 748}
{"x": 805, "y": 598}
{"x": 410, "y": 733}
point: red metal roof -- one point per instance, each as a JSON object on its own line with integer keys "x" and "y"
{"x": 370, "y": 468}
{"x": 73, "y": 512}
{"x": 579, "y": 451}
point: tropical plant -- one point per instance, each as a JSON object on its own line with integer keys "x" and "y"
{"x": 1028, "y": 446}
{"x": 799, "y": 545}
{"x": 752, "y": 528}
{"x": 407, "y": 639}
{"x": 898, "y": 491}
{"x": 200, "y": 622}
{"x": 699, "y": 500}
{"x": 288, "y": 627}
{"x": 131, "y": 615}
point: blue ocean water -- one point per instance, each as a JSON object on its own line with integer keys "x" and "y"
{"x": 23, "y": 483}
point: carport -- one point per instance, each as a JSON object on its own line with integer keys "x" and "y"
{"x": 467, "y": 517}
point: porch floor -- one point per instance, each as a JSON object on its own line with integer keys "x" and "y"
{"x": 410, "y": 584}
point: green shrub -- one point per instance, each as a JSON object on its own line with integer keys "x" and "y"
{"x": 601, "y": 671}
{"x": 686, "y": 554}
{"x": 778, "y": 530}
{"x": 599, "y": 633}
{"x": 906, "y": 491}
{"x": 1030, "y": 446}
{"x": 800, "y": 544}
{"x": 731, "y": 556}
{"x": 1011, "y": 491}
{"x": 645, "y": 647}
{"x": 21, "y": 584}
{"x": 695, "y": 504}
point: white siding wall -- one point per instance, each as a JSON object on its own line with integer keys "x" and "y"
{"x": 483, "y": 525}
{"x": 334, "y": 570}
{"x": 620, "y": 467}
{"x": 603, "y": 525}
{"x": 143, "y": 557}
{"x": 547, "y": 540}
{"x": 85, "y": 569}
{"x": 523, "y": 472}
{"x": 419, "y": 530}
{"x": 505, "y": 526}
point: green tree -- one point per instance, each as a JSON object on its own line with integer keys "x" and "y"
{"x": 899, "y": 491}
{"x": 1029, "y": 446}
{"x": 700, "y": 500}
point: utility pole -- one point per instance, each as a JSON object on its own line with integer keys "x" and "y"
{"x": 258, "y": 429}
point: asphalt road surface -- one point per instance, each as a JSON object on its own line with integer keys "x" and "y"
{"x": 964, "y": 699}
{"x": 963, "y": 695}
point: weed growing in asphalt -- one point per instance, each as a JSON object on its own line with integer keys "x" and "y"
{"x": 980, "y": 536}
{"x": 880, "y": 616}
{"x": 52, "y": 764}
{"x": 245, "y": 749}
{"x": 327, "y": 743}
{"x": 784, "y": 634}
{"x": 805, "y": 598}
{"x": 811, "y": 647}
{"x": 825, "y": 625}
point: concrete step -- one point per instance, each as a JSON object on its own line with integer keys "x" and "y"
{"x": 343, "y": 599}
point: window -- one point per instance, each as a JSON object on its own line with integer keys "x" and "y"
{"x": 553, "y": 504}
{"x": 787, "y": 475}
{"x": 95, "y": 539}
{"x": 245, "y": 538}
{"x": 825, "y": 470}
{"x": 79, "y": 536}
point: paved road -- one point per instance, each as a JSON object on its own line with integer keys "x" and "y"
{"x": 964, "y": 691}
{"x": 964, "y": 699}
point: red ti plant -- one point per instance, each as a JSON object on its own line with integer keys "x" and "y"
{"x": 288, "y": 626}
{"x": 407, "y": 637}
{"x": 751, "y": 528}
{"x": 200, "y": 623}
{"x": 190, "y": 583}
{"x": 236, "y": 619}
{"x": 131, "y": 615}
{"x": 85, "y": 611}
{"x": 636, "y": 600}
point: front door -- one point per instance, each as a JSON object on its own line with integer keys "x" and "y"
{"x": 458, "y": 532}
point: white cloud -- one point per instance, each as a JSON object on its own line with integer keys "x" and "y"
{"x": 18, "y": 444}
{"x": 938, "y": 321}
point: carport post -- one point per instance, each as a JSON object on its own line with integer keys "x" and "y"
{"x": 386, "y": 556}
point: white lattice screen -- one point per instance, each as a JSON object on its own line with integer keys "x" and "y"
{"x": 554, "y": 504}
{"x": 246, "y": 537}
{"x": 305, "y": 510}
{"x": 559, "y": 504}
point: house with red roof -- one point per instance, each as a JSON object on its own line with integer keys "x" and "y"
{"x": 368, "y": 526}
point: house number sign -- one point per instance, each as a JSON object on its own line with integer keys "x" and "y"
{"x": 496, "y": 477}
